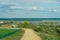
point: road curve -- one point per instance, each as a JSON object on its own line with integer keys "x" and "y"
{"x": 30, "y": 35}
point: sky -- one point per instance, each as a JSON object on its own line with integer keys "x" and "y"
{"x": 29, "y": 8}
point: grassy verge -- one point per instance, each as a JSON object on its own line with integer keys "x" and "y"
{"x": 17, "y": 35}
{"x": 46, "y": 36}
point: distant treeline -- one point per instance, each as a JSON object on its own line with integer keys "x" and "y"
{"x": 29, "y": 19}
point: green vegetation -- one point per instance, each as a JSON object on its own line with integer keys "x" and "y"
{"x": 46, "y": 36}
{"x": 11, "y": 34}
{"x": 48, "y": 30}
{"x": 5, "y": 32}
{"x": 25, "y": 24}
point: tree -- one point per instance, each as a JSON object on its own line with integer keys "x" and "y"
{"x": 20, "y": 25}
{"x": 27, "y": 24}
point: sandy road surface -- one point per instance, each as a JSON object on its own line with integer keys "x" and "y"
{"x": 30, "y": 35}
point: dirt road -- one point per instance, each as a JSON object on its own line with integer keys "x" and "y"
{"x": 30, "y": 35}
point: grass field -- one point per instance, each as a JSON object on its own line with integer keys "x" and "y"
{"x": 46, "y": 36}
{"x": 11, "y": 34}
{"x": 48, "y": 30}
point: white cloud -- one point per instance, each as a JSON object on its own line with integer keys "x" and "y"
{"x": 15, "y": 7}
{"x": 54, "y": 10}
{"x": 27, "y": 1}
{"x": 34, "y": 8}
{"x": 40, "y": 1}
{"x": 4, "y": 1}
{"x": 27, "y": 8}
{"x": 42, "y": 9}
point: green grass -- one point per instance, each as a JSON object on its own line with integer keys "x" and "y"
{"x": 45, "y": 36}
{"x": 11, "y": 34}
{"x": 48, "y": 30}
{"x": 5, "y": 31}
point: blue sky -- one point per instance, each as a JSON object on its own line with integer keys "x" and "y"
{"x": 29, "y": 8}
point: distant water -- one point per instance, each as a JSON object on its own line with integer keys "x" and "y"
{"x": 29, "y": 19}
